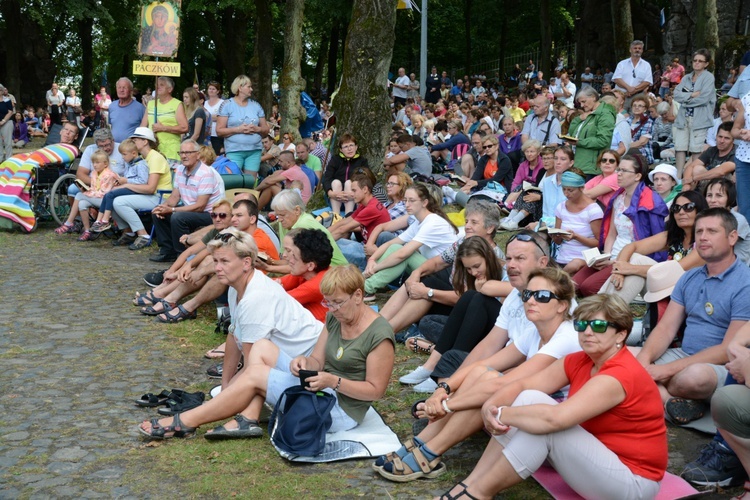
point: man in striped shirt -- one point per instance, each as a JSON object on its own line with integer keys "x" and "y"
{"x": 189, "y": 206}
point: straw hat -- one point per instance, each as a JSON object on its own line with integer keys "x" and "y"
{"x": 144, "y": 133}
{"x": 661, "y": 279}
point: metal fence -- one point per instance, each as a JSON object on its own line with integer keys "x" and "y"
{"x": 489, "y": 68}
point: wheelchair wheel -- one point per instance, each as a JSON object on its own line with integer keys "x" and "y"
{"x": 59, "y": 205}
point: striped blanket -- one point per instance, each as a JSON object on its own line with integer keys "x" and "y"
{"x": 16, "y": 176}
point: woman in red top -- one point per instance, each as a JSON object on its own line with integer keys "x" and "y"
{"x": 588, "y": 438}
{"x": 309, "y": 254}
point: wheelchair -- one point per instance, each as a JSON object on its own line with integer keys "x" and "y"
{"x": 48, "y": 193}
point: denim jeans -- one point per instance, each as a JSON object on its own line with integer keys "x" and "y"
{"x": 742, "y": 175}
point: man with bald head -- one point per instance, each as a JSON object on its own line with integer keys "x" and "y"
{"x": 125, "y": 114}
{"x": 541, "y": 124}
{"x": 401, "y": 87}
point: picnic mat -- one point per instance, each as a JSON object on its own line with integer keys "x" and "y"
{"x": 672, "y": 487}
{"x": 703, "y": 424}
{"x": 369, "y": 439}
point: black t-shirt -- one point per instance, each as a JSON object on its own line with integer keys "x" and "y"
{"x": 711, "y": 158}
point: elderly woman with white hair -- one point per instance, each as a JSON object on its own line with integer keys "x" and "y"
{"x": 593, "y": 130}
{"x": 242, "y": 123}
{"x": 290, "y": 211}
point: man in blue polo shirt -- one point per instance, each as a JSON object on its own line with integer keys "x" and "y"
{"x": 125, "y": 114}
{"x": 712, "y": 301}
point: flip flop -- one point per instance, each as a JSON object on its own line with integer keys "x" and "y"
{"x": 214, "y": 354}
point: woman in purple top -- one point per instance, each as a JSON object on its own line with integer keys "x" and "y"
{"x": 510, "y": 139}
{"x": 20, "y": 131}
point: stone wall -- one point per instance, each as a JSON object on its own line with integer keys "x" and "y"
{"x": 678, "y": 38}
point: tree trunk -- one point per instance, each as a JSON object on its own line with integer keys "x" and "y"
{"x": 13, "y": 41}
{"x": 85, "y": 29}
{"x": 546, "y": 38}
{"x": 362, "y": 104}
{"x": 262, "y": 63}
{"x": 320, "y": 66}
{"x": 467, "y": 34}
{"x": 706, "y": 26}
{"x": 622, "y": 21}
{"x": 229, "y": 33}
{"x": 291, "y": 81}
{"x": 333, "y": 56}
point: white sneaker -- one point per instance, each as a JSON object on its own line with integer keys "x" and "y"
{"x": 420, "y": 374}
{"x": 509, "y": 225}
{"x": 449, "y": 194}
{"x": 428, "y": 386}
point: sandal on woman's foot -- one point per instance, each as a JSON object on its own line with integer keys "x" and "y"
{"x": 177, "y": 429}
{"x": 461, "y": 494}
{"x": 147, "y": 299}
{"x": 85, "y": 236}
{"x": 419, "y": 345}
{"x": 151, "y": 311}
{"x": 246, "y": 428}
{"x": 683, "y": 411}
{"x": 181, "y": 315}
{"x": 65, "y": 229}
{"x": 400, "y": 471}
{"x": 407, "y": 447}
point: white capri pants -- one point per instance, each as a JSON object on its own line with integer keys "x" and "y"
{"x": 631, "y": 285}
{"x": 589, "y": 467}
{"x": 124, "y": 209}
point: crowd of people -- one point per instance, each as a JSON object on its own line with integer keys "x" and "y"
{"x": 616, "y": 192}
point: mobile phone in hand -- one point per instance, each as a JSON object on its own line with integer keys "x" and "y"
{"x": 304, "y": 374}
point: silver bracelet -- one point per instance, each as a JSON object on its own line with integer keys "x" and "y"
{"x": 445, "y": 406}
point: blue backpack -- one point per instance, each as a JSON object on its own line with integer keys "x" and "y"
{"x": 225, "y": 166}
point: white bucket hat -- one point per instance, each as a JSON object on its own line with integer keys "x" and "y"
{"x": 144, "y": 133}
{"x": 664, "y": 168}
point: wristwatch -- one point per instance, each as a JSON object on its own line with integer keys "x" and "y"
{"x": 430, "y": 293}
{"x": 445, "y": 387}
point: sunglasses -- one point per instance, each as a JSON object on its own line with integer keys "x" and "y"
{"x": 526, "y": 238}
{"x": 218, "y": 215}
{"x": 225, "y": 237}
{"x": 597, "y": 325}
{"x": 687, "y": 207}
{"x": 608, "y": 160}
{"x": 541, "y": 296}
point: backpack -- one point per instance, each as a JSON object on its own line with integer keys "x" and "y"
{"x": 225, "y": 166}
{"x": 327, "y": 218}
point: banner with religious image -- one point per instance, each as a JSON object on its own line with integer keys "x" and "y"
{"x": 160, "y": 29}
